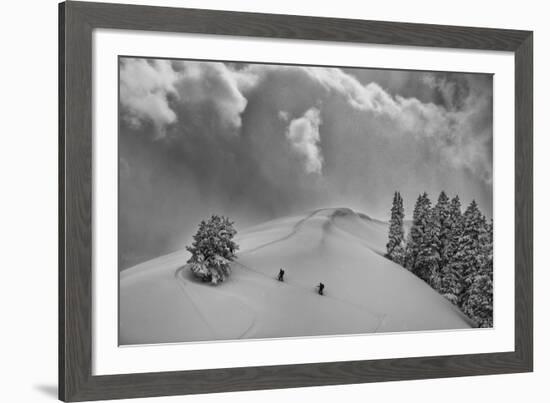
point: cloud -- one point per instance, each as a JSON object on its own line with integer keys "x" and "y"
{"x": 145, "y": 88}
{"x": 214, "y": 84}
{"x": 303, "y": 134}
{"x": 150, "y": 88}
{"x": 452, "y": 89}
{"x": 448, "y": 125}
{"x": 284, "y": 115}
{"x": 151, "y": 91}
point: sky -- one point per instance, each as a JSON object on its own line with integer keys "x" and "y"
{"x": 257, "y": 141}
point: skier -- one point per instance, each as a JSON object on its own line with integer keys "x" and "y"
{"x": 321, "y": 287}
{"x": 281, "y": 275}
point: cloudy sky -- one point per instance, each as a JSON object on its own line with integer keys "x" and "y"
{"x": 259, "y": 141}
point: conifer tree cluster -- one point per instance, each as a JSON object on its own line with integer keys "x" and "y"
{"x": 450, "y": 250}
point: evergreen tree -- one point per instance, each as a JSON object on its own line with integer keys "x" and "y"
{"x": 416, "y": 239}
{"x": 395, "y": 247}
{"x": 428, "y": 259}
{"x": 472, "y": 243}
{"x": 451, "y": 278}
{"x": 455, "y": 218}
{"x": 442, "y": 214}
{"x": 478, "y": 297}
{"x": 213, "y": 249}
{"x": 440, "y": 232}
{"x": 453, "y": 252}
{"x": 465, "y": 261}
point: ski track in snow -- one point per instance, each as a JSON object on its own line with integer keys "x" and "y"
{"x": 325, "y": 295}
{"x": 195, "y": 306}
{"x": 182, "y": 283}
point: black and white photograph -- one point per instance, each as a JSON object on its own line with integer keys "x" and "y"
{"x": 261, "y": 201}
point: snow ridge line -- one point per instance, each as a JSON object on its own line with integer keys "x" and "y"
{"x": 294, "y": 231}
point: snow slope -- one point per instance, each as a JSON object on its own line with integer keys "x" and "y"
{"x": 161, "y": 302}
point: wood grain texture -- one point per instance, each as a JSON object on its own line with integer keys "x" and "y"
{"x": 524, "y": 199}
{"x": 119, "y": 16}
{"x": 61, "y": 204}
{"x": 76, "y": 272}
{"x": 76, "y": 22}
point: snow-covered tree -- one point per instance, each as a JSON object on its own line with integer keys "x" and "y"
{"x": 455, "y": 218}
{"x": 470, "y": 245}
{"x": 414, "y": 256}
{"x": 395, "y": 248}
{"x": 213, "y": 249}
{"x": 479, "y": 303}
{"x": 438, "y": 239}
{"x": 451, "y": 251}
{"x": 415, "y": 233}
{"x": 451, "y": 277}
{"x": 428, "y": 259}
{"x": 442, "y": 215}
{"x": 478, "y": 296}
{"x": 467, "y": 261}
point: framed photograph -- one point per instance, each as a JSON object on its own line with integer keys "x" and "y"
{"x": 253, "y": 201}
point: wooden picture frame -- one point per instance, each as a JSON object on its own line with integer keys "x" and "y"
{"x": 77, "y": 20}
